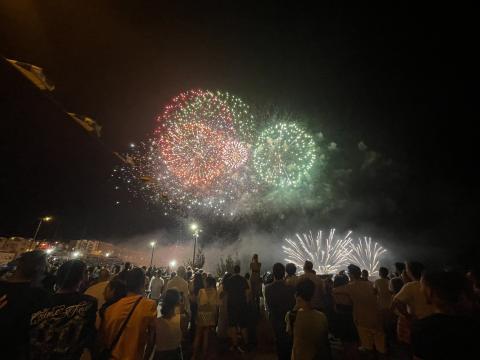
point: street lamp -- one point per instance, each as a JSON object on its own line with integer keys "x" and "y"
{"x": 76, "y": 254}
{"x": 152, "y": 244}
{"x": 172, "y": 264}
{"x": 42, "y": 219}
{"x": 49, "y": 251}
{"x": 195, "y": 230}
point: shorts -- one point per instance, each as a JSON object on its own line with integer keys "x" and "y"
{"x": 372, "y": 339}
{"x": 238, "y": 315}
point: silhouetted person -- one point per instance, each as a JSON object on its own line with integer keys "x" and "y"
{"x": 444, "y": 334}
{"x": 22, "y": 295}
{"x": 137, "y": 339}
{"x": 280, "y": 298}
{"x": 364, "y": 275}
{"x": 308, "y": 326}
{"x": 237, "y": 309}
{"x": 67, "y": 327}
{"x": 122, "y": 274}
{"x": 291, "y": 278}
{"x": 255, "y": 279}
{"x": 366, "y": 313}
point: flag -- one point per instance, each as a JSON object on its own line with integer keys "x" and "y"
{"x": 147, "y": 179}
{"x": 120, "y": 157}
{"x": 34, "y": 74}
{"x": 87, "y": 123}
{"x": 127, "y": 159}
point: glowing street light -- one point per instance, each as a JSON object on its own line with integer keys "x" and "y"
{"x": 152, "y": 244}
{"x": 107, "y": 254}
{"x": 49, "y": 251}
{"x": 42, "y": 219}
{"x": 76, "y": 254}
{"x": 173, "y": 263}
{"x": 195, "y": 229}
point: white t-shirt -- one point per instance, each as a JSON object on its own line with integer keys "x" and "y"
{"x": 412, "y": 296}
{"x": 156, "y": 285}
{"x": 384, "y": 296}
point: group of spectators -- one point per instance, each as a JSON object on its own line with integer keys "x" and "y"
{"x": 76, "y": 312}
{"x": 420, "y": 314}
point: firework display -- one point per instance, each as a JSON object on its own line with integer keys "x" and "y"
{"x": 193, "y": 153}
{"x": 331, "y": 254}
{"x": 219, "y": 111}
{"x": 139, "y": 174}
{"x": 243, "y": 121}
{"x": 366, "y": 254}
{"x": 207, "y": 155}
{"x": 328, "y": 254}
{"x": 284, "y": 155}
{"x": 199, "y": 158}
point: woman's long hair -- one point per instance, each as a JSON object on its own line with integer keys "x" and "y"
{"x": 172, "y": 299}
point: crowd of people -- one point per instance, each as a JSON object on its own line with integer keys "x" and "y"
{"x": 72, "y": 311}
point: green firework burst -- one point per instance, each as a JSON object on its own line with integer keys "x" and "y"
{"x": 284, "y": 155}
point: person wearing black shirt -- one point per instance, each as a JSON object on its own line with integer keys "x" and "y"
{"x": 280, "y": 298}
{"x": 121, "y": 275}
{"x": 64, "y": 329}
{"x": 22, "y": 296}
{"x": 447, "y": 333}
{"x": 236, "y": 287}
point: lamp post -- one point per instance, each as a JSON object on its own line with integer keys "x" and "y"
{"x": 152, "y": 244}
{"x": 195, "y": 230}
{"x": 42, "y": 219}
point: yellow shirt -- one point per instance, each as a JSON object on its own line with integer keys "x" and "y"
{"x": 416, "y": 302}
{"x": 131, "y": 345}
{"x": 168, "y": 333}
{"x": 366, "y": 312}
{"x": 310, "y": 336}
{"x": 384, "y": 296}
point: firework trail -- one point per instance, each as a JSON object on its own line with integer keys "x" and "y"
{"x": 366, "y": 254}
{"x": 328, "y": 255}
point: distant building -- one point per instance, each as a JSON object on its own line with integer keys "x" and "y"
{"x": 84, "y": 248}
{"x": 16, "y": 245}
{"x": 102, "y": 248}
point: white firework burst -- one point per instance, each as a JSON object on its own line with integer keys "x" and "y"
{"x": 328, "y": 255}
{"x": 366, "y": 254}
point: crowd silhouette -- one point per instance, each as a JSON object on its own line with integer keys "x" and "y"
{"x": 74, "y": 311}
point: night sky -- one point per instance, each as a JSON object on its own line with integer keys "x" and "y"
{"x": 398, "y": 77}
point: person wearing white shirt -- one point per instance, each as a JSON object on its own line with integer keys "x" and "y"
{"x": 156, "y": 286}
{"x": 178, "y": 282}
